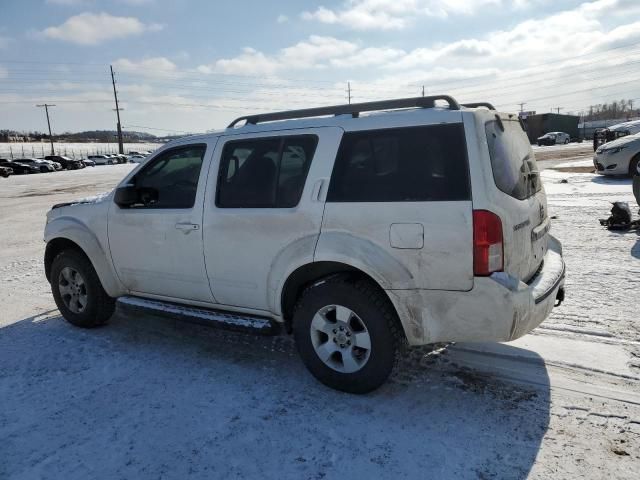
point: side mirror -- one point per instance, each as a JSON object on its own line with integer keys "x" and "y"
{"x": 126, "y": 196}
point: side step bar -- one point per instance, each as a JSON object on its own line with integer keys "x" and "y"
{"x": 204, "y": 316}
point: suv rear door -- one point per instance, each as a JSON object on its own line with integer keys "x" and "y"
{"x": 399, "y": 203}
{"x": 263, "y": 210}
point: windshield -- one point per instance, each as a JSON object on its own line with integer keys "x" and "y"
{"x": 514, "y": 166}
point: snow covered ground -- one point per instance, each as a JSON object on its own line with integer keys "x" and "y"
{"x": 151, "y": 398}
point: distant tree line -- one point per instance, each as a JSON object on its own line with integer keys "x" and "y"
{"x": 612, "y": 111}
{"x": 102, "y": 136}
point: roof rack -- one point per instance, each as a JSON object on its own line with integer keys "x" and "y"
{"x": 479, "y": 104}
{"x": 353, "y": 109}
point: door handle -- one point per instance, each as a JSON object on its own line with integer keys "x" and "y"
{"x": 316, "y": 192}
{"x": 187, "y": 227}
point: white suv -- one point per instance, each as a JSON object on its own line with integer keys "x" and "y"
{"x": 357, "y": 233}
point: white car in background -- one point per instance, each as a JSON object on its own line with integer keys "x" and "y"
{"x": 554, "y": 138}
{"x": 618, "y": 157}
{"x": 137, "y": 158}
{"x": 103, "y": 159}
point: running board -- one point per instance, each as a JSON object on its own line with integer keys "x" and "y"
{"x": 204, "y": 316}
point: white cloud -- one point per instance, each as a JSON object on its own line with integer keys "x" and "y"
{"x": 370, "y": 56}
{"x": 282, "y": 19}
{"x": 249, "y": 62}
{"x": 398, "y": 14}
{"x": 153, "y": 67}
{"x": 95, "y": 28}
{"x": 317, "y": 52}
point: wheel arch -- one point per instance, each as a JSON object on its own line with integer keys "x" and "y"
{"x": 67, "y": 233}
{"x": 53, "y": 248}
{"x": 310, "y": 273}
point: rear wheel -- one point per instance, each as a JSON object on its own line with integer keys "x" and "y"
{"x": 44, "y": 169}
{"x": 347, "y": 334}
{"x": 78, "y": 292}
{"x": 566, "y": 141}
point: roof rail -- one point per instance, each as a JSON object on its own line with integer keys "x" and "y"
{"x": 353, "y": 109}
{"x": 479, "y": 104}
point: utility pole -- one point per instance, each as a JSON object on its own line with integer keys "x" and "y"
{"x": 115, "y": 96}
{"x": 46, "y": 109}
{"x": 423, "y": 90}
{"x": 349, "y": 92}
{"x": 522, "y": 104}
{"x": 558, "y": 110}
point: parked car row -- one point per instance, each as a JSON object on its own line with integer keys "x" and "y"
{"x": 53, "y": 163}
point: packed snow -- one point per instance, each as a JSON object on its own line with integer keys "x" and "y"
{"x": 147, "y": 397}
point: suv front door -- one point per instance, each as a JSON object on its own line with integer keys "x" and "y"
{"x": 156, "y": 244}
{"x": 263, "y": 218}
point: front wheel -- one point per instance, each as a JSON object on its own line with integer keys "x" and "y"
{"x": 78, "y": 292}
{"x": 566, "y": 142}
{"x": 347, "y": 334}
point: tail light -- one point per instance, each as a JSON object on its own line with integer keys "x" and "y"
{"x": 488, "y": 251}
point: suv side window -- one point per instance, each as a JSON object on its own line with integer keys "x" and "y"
{"x": 264, "y": 172}
{"x": 413, "y": 164}
{"x": 172, "y": 178}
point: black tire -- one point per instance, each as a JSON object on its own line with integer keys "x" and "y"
{"x": 633, "y": 166}
{"x": 99, "y": 307}
{"x": 375, "y": 311}
{"x": 566, "y": 142}
{"x": 44, "y": 169}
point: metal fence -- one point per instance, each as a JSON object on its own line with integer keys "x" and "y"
{"x": 71, "y": 150}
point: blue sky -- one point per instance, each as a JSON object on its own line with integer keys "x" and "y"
{"x": 194, "y": 65}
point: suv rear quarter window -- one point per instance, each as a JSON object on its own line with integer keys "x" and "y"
{"x": 410, "y": 164}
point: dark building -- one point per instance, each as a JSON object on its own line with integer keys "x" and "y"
{"x": 539, "y": 124}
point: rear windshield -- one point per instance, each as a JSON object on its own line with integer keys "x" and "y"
{"x": 515, "y": 170}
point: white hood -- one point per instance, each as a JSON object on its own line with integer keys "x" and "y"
{"x": 620, "y": 142}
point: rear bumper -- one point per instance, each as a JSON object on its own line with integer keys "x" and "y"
{"x": 498, "y": 308}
